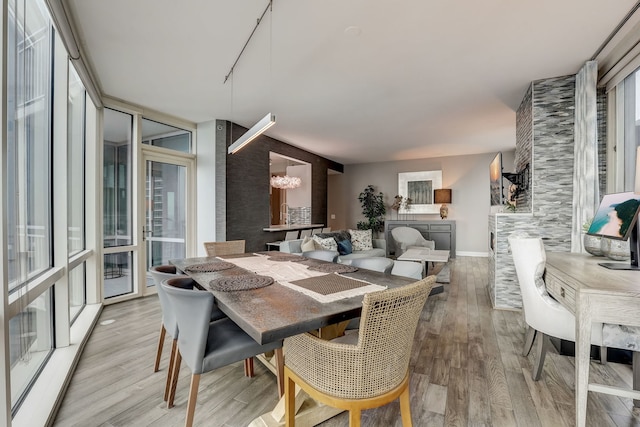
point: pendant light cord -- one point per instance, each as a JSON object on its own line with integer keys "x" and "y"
{"x": 269, "y": 7}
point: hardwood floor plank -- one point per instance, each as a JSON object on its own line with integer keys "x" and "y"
{"x": 466, "y": 369}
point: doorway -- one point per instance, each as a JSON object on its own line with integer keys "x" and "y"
{"x": 166, "y": 222}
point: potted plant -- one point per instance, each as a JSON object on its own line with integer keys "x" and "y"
{"x": 373, "y": 209}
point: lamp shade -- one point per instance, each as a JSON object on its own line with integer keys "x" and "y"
{"x": 442, "y": 195}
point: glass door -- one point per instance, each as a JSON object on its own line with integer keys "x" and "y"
{"x": 165, "y": 225}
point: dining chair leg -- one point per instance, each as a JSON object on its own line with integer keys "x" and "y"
{"x": 163, "y": 331}
{"x": 279, "y": 355}
{"x": 405, "y": 408}
{"x": 541, "y": 350}
{"x": 172, "y": 357}
{"x": 174, "y": 378}
{"x": 289, "y": 402}
{"x": 193, "y": 396}
{"x": 354, "y": 417}
{"x": 248, "y": 367}
{"x": 603, "y": 354}
{"x": 635, "y": 363}
{"x": 529, "y": 337}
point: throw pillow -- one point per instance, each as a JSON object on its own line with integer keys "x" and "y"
{"x": 361, "y": 240}
{"x": 327, "y": 244}
{"x": 308, "y": 244}
{"x": 344, "y": 247}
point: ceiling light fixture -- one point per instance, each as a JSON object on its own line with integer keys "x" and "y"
{"x": 257, "y": 130}
{"x": 285, "y": 182}
{"x": 268, "y": 120}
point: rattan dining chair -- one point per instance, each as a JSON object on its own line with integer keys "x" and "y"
{"x": 203, "y": 345}
{"x": 168, "y": 325}
{"x": 364, "y": 370}
{"x": 229, "y": 247}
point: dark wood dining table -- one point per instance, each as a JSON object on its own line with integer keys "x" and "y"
{"x": 275, "y": 312}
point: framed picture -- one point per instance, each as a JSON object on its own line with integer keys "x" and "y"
{"x": 419, "y": 186}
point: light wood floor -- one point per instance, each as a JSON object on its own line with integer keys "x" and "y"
{"x": 466, "y": 370}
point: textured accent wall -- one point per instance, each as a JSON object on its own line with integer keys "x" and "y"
{"x": 247, "y": 186}
{"x": 602, "y": 140}
{"x": 549, "y": 108}
{"x": 552, "y": 179}
{"x": 524, "y": 138}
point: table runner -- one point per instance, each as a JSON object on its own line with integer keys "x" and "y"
{"x": 287, "y": 273}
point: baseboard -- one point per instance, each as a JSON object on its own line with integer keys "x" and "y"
{"x": 473, "y": 254}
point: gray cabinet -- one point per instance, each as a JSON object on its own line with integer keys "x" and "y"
{"x": 443, "y": 232}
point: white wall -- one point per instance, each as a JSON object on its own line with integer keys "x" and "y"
{"x": 300, "y": 197}
{"x": 467, "y": 177}
{"x": 205, "y": 185}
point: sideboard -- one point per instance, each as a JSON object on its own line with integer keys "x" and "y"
{"x": 443, "y": 232}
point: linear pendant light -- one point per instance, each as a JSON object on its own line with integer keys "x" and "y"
{"x": 257, "y": 130}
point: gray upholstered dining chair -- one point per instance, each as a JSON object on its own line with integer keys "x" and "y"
{"x": 203, "y": 345}
{"x": 383, "y": 265}
{"x": 408, "y": 238}
{"x": 363, "y": 370}
{"x": 322, "y": 255}
{"x": 410, "y": 269}
{"x": 168, "y": 325}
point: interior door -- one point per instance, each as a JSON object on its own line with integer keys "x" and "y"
{"x": 166, "y": 211}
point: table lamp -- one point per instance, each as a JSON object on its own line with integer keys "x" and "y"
{"x": 442, "y": 196}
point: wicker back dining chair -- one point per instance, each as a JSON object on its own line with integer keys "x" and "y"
{"x": 205, "y": 345}
{"x": 169, "y": 325}
{"x": 229, "y": 247}
{"x": 363, "y": 370}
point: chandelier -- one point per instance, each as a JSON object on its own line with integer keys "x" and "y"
{"x": 285, "y": 182}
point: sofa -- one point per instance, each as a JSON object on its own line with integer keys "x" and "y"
{"x": 378, "y": 247}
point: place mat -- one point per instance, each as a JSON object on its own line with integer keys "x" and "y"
{"x": 333, "y": 268}
{"x": 332, "y": 287}
{"x": 210, "y": 267}
{"x": 329, "y": 284}
{"x": 240, "y": 282}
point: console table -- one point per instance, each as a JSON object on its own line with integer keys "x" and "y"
{"x": 594, "y": 294}
{"x": 443, "y": 232}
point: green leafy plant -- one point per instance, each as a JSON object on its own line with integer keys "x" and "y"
{"x": 373, "y": 209}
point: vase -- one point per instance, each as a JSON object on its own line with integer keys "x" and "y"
{"x": 617, "y": 250}
{"x": 592, "y": 244}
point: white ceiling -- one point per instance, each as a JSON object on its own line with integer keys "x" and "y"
{"x": 353, "y": 80}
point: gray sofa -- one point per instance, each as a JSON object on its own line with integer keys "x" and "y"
{"x": 379, "y": 250}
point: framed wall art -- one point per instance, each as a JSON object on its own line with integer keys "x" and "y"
{"x": 419, "y": 186}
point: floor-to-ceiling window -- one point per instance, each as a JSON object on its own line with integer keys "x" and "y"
{"x": 628, "y": 115}
{"x": 29, "y": 189}
{"x": 117, "y": 203}
{"x": 76, "y": 107}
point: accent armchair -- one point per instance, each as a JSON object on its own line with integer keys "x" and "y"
{"x": 407, "y": 238}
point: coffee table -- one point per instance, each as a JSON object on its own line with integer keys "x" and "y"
{"x": 426, "y": 255}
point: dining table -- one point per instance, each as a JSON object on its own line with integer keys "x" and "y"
{"x": 273, "y": 295}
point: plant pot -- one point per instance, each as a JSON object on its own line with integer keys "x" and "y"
{"x": 617, "y": 250}
{"x": 592, "y": 244}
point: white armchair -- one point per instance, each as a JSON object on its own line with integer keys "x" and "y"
{"x": 407, "y": 238}
{"x": 542, "y": 313}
